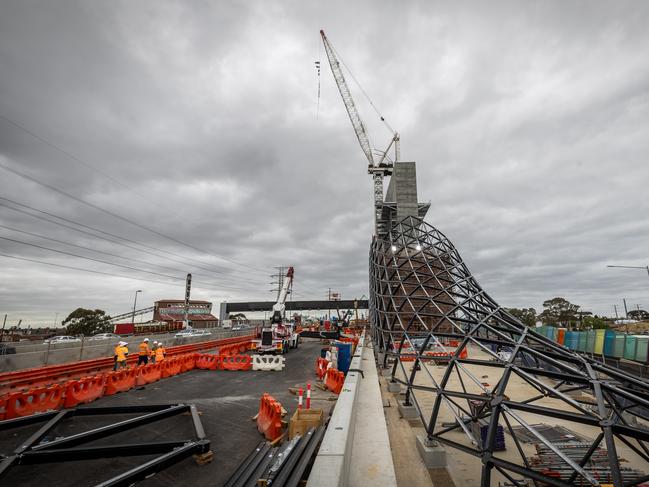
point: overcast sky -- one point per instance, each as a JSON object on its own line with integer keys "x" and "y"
{"x": 198, "y": 120}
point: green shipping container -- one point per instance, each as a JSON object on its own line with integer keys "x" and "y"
{"x": 642, "y": 342}
{"x": 618, "y": 347}
{"x": 599, "y": 341}
{"x": 590, "y": 341}
{"x": 581, "y": 344}
{"x": 629, "y": 347}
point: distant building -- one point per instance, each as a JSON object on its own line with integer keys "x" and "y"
{"x": 173, "y": 311}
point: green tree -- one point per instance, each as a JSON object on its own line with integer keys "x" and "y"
{"x": 594, "y": 322}
{"x": 527, "y": 316}
{"x": 87, "y": 322}
{"x": 559, "y": 311}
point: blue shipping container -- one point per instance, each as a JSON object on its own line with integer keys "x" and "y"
{"x": 609, "y": 343}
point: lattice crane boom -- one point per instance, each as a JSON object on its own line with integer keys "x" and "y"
{"x": 354, "y": 117}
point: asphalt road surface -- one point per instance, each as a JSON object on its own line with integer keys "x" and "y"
{"x": 226, "y": 400}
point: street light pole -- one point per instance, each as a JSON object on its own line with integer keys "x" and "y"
{"x": 134, "y": 304}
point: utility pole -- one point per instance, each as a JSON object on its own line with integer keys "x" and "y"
{"x": 134, "y": 304}
{"x": 329, "y": 300}
{"x": 188, "y": 290}
{"x": 3, "y": 328}
{"x": 626, "y": 313}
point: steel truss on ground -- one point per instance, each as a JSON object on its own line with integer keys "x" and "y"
{"x": 38, "y": 449}
{"x": 423, "y": 297}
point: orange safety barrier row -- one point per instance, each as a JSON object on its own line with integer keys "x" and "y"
{"x": 83, "y": 390}
{"x": 236, "y": 362}
{"x": 269, "y": 418}
{"x": 321, "y": 365}
{"x": 208, "y": 361}
{"x": 38, "y": 400}
{"x": 88, "y": 389}
{"x": 120, "y": 381}
{"x": 42, "y": 376}
{"x": 148, "y": 374}
{"x": 334, "y": 380}
{"x": 171, "y": 367}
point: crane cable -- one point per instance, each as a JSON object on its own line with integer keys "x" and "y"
{"x": 381, "y": 117}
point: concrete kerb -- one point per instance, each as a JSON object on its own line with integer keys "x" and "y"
{"x": 332, "y": 464}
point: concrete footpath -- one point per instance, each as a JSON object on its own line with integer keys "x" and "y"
{"x": 371, "y": 461}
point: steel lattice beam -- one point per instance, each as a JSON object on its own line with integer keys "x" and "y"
{"x": 422, "y": 295}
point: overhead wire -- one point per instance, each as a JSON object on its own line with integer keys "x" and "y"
{"x": 116, "y": 239}
{"x": 92, "y": 271}
{"x": 113, "y": 214}
{"x": 175, "y": 269}
{"x": 90, "y": 166}
{"x": 72, "y": 254}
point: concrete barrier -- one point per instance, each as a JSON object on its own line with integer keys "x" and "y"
{"x": 344, "y": 458}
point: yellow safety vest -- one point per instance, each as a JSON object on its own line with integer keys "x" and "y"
{"x": 121, "y": 353}
{"x": 159, "y": 354}
{"x": 144, "y": 349}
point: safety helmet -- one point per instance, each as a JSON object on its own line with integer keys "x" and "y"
{"x": 145, "y": 340}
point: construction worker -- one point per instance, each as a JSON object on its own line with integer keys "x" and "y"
{"x": 144, "y": 352}
{"x": 121, "y": 352}
{"x": 160, "y": 353}
{"x": 154, "y": 347}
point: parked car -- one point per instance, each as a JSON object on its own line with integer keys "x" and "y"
{"x": 237, "y": 328}
{"x": 104, "y": 336}
{"x": 184, "y": 334}
{"x": 62, "y": 339}
{"x": 6, "y": 349}
{"x": 192, "y": 333}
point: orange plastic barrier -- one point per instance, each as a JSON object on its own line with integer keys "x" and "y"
{"x": 148, "y": 374}
{"x": 334, "y": 380}
{"x": 83, "y": 390}
{"x": 171, "y": 367}
{"x": 208, "y": 361}
{"x": 321, "y": 367}
{"x": 269, "y": 419}
{"x": 120, "y": 381}
{"x": 37, "y": 400}
{"x": 236, "y": 362}
{"x": 188, "y": 362}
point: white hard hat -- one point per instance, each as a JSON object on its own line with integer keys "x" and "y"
{"x": 146, "y": 340}
{"x": 155, "y": 341}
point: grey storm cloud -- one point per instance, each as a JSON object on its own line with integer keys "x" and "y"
{"x": 200, "y": 120}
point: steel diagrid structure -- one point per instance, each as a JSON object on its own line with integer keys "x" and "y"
{"x": 478, "y": 377}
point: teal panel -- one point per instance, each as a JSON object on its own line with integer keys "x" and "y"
{"x": 618, "y": 348}
{"x": 629, "y": 347}
{"x": 581, "y": 344}
{"x": 641, "y": 349}
{"x": 590, "y": 341}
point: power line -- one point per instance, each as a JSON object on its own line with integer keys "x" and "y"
{"x": 92, "y": 271}
{"x": 90, "y": 166}
{"x": 119, "y": 239}
{"x": 99, "y": 251}
{"x": 115, "y": 215}
{"x": 71, "y": 254}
